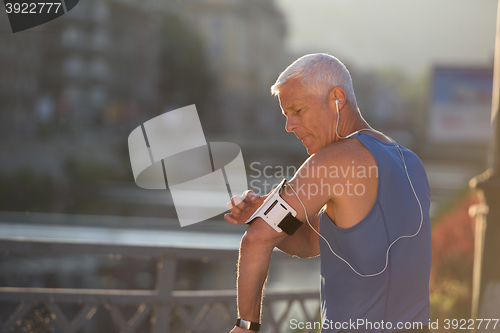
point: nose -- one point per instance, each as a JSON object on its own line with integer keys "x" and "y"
{"x": 290, "y": 125}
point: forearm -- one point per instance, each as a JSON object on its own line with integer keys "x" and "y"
{"x": 253, "y": 266}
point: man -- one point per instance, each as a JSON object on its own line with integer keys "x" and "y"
{"x": 367, "y": 203}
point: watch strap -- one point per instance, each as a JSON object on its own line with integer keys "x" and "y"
{"x": 290, "y": 224}
{"x": 248, "y": 325}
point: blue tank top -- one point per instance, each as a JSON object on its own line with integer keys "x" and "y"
{"x": 401, "y": 293}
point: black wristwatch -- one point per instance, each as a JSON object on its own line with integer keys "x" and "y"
{"x": 248, "y": 325}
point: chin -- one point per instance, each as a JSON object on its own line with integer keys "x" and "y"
{"x": 311, "y": 150}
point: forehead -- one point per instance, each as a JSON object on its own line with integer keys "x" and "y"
{"x": 293, "y": 92}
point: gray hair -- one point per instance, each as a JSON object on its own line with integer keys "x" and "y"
{"x": 319, "y": 73}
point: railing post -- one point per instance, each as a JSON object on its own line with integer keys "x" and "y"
{"x": 165, "y": 281}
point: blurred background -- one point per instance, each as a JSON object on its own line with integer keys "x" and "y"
{"x": 73, "y": 89}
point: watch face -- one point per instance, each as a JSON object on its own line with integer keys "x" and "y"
{"x": 245, "y": 324}
{"x": 248, "y": 325}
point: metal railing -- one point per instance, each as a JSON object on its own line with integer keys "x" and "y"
{"x": 159, "y": 310}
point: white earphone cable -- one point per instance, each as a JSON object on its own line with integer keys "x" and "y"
{"x": 400, "y": 153}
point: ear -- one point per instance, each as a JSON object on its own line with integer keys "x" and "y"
{"x": 336, "y": 94}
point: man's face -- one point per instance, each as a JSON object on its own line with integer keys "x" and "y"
{"x": 308, "y": 117}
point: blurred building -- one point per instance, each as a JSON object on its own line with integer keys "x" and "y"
{"x": 78, "y": 64}
{"x": 103, "y": 52}
{"x": 244, "y": 42}
{"x": 19, "y": 68}
{"x": 79, "y": 84}
{"x": 100, "y": 60}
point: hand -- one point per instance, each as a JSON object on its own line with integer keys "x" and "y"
{"x": 242, "y": 207}
{"x": 237, "y": 329}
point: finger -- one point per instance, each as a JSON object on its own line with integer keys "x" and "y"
{"x": 231, "y": 203}
{"x": 230, "y": 219}
{"x": 250, "y": 195}
{"x": 231, "y": 206}
{"x": 238, "y": 204}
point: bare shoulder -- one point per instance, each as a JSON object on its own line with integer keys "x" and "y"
{"x": 343, "y": 153}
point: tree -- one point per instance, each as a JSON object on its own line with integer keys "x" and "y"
{"x": 184, "y": 74}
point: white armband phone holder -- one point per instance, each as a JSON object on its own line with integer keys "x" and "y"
{"x": 277, "y": 212}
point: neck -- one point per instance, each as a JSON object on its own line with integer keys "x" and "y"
{"x": 351, "y": 122}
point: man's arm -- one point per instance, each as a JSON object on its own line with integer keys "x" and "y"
{"x": 304, "y": 243}
{"x": 256, "y": 247}
{"x": 260, "y": 239}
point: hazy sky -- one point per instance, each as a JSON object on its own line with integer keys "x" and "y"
{"x": 410, "y": 34}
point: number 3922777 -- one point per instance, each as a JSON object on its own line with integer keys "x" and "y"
{"x": 32, "y": 7}
{"x": 470, "y": 324}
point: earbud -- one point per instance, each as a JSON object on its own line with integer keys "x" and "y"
{"x": 337, "y": 103}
